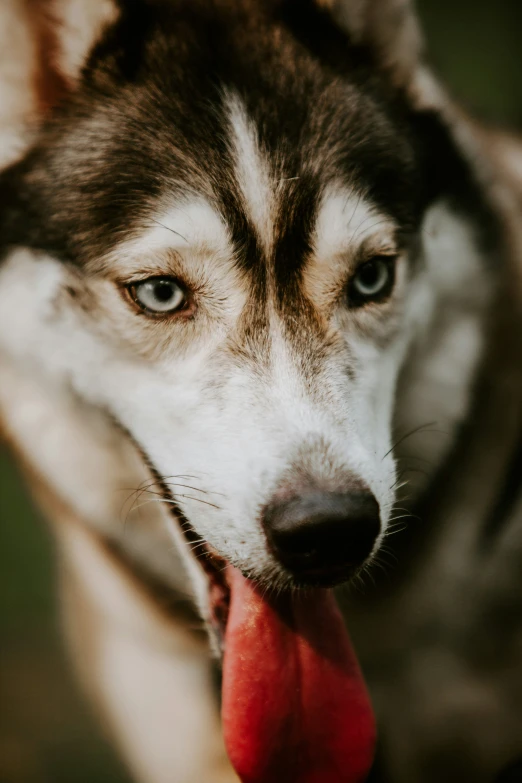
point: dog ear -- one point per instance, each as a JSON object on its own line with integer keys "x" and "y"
{"x": 388, "y": 27}
{"x": 44, "y": 45}
{"x": 65, "y": 32}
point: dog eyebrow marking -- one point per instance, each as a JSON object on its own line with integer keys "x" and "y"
{"x": 181, "y": 226}
{"x": 345, "y": 219}
{"x": 252, "y": 170}
{"x": 159, "y": 223}
{"x": 192, "y": 223}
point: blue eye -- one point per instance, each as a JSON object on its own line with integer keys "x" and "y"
{"x": 159, "y": 295}
{"x": 373, "y": 281}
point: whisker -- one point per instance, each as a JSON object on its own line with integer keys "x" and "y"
{"x": 198, "y": 500}
{"x": 393, "y": 531}
{"x": 196, "y": 489}
{"x": 146, "y": 503}
{"x": 414, "y": 431}
{"x": 170, "y": 229}
{"x": 396, "y": 519}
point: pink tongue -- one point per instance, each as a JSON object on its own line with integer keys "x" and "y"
{"x": 295, "y": 708}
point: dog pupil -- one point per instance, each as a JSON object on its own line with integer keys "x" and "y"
{"x": 163, "y": 292}
{"x": 369, "y": 274}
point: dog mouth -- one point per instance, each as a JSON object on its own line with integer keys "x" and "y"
{"x": 215, "y": 568}
{"x": 294, "y": 706}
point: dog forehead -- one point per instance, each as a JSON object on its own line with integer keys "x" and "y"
{"x": 290, "y": 232}
{"x": 269, "y": 200}
{"x": 241, "y": 115}
{"x": 254, "y": 176}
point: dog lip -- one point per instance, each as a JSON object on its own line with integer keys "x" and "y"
{"x": 325, "y": 578}
{"x": 215, "y": 566}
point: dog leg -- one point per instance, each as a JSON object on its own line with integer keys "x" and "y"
{"x": 149, "y": 676}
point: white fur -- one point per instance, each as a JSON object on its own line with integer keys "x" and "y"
{"x": 149, "y": 675}
{"x": 80, "y": 24}
{"x": 346, "y": 219}
{"x": 198, "y": 411}
{"x": 90, "y": 466}
{"x": 18, "y": 62}
{"x": 252, "y": 170}
{"x": 203, "y": 415}
{"x": 435, "y": 389}
{"x": 237, "y": 441}
{"x": 180, "y": 226}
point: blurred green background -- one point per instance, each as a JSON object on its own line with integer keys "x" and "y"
{"x": 46, "y": 732}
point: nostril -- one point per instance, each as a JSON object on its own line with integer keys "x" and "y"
{"x": 323, "y": 534}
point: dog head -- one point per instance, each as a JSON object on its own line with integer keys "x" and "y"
{"x": 217, "y": 237}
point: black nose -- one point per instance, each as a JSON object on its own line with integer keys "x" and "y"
{"x": 322, "y": 537}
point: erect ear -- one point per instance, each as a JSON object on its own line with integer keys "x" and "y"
{"x": 65, "y": 32}
{"x": 388, "y": 27}
{"x": 44, "y": 45}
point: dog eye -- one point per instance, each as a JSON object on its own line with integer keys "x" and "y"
{"x": 158, "y": 295}
{"x": 372, "y": 282}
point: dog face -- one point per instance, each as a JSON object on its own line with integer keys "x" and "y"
{"x": 218, "y": 241}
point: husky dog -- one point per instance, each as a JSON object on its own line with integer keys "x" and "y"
{"x": 260, "y": 297}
